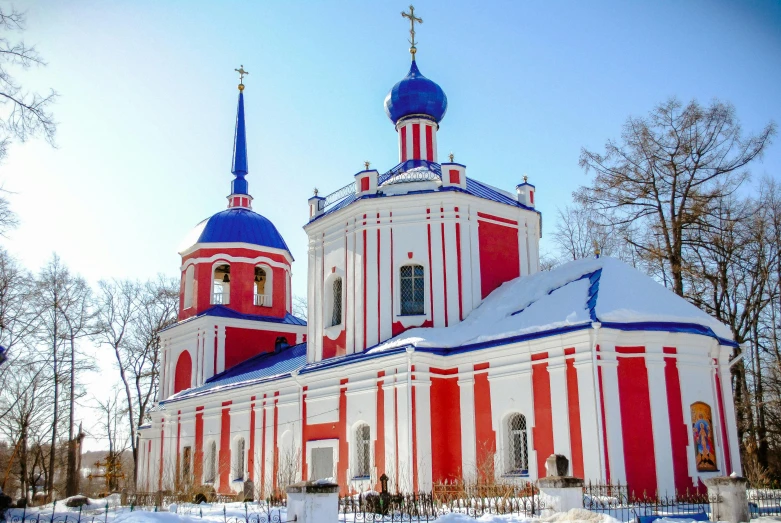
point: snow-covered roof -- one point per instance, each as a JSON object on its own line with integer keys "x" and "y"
{"x": 602, "y": 290}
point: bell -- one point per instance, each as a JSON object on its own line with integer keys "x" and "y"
{"x": 226, "y": 278}
{"x": 257, "y": 278}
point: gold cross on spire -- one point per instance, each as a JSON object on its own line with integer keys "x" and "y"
{"x": 412, "y": 20}
{"x": 241, "y": 72}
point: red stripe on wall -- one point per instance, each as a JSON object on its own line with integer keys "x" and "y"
{"x": 446, "y": 458}
{"x": 403, "y": 132}
{"x": 379, "y": 443}
{"x": 679, "y": 436}
{"x": 379, "y": 287}
{"x": 225, "y": 448}
{"x": 429, "y": 143}
{"x": 198, "y": 461}
{"x": 414, "y": 436}
{"x": 573, "y": 402}
{"x": 722, "y": 420}
{"x": 364, "y": 288}
{"x": 543, "y": 416}
{"x": 496, "y": 218}
{"x": 416, "y": 141}
{"x": 602, "y": 415}
{"x": 636, "y": 428}
{"x": 251, "y": 457}
{"x": 178, "y": 444}
{"x": 396, "y": 426}
{"x": 160, "y": 475}
{"x": 458, "y": 259}
{"x": 276, "y": 444}
{"x": 444, "y": 270}
{"x": 263, "y": 449}
{"x": 214, "y": 371}
{"x": 485, "y": 437}
{"x": 430, "y": 271}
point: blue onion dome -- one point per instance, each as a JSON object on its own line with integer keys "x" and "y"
{"x": 416, "y": 95}
{"x": 236, "y": 225}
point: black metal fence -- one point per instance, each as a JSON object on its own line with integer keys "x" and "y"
{"x": 619, "y": 502}
{"x": 429, "y": 506}
{"x": 66, "y": 515}
{"x": 764, "y": 502}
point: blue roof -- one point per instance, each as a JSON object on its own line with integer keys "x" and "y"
{"x": 221, "y": 311}
{"x": 240, "y": 166}
{"x": 238, "y": 224}
{"x": 473, "y": 187}
{"x": 415, "y": 95}
{"x": 263, "y": 367}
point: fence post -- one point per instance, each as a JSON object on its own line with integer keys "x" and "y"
{"x": 54, "y": 509}
{"x": 313, "y": 502}
{"x": 106, "y": 520}
{"x": 728, "y": 498}
{"x": 558, "y": 490}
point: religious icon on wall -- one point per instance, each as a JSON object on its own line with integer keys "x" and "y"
{"x": 702, "y": 432}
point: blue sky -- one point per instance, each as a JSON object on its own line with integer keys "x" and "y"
{"x": 148, "y": 100}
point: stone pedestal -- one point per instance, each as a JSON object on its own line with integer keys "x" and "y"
{"x": 313, "y": 502}
{"x": 561, "y": 493}
{"x": 729, "y": 500}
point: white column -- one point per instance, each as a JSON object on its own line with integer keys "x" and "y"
{"x": 389, "y": 388}
{"x": 386, "y": 300}
{"x": 660, "y": 419}
{"x": 423, "y": 429}
{"x": 372, "y": 282}
{"x": 437, "y": 269}
{"x": 451, "y": 266}
{"x": 613, "y": 430}
{"x": 466, "y": 261}
{"x": 589, "y": 418}
{"x": 558, "y": 391}
{"x": 466, "y": 387}
{"x": 220, "y": 348}
{"x": 351, "y": 290}
{"x": 474, "y": 254}
{"x": 523, "y": 251}
{"x": 358, "y": 296}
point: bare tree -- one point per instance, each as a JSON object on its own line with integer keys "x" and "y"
{"x": 299, "y": 306}
{"x": 111, "y": 425}
{"x": 665, "y": 174}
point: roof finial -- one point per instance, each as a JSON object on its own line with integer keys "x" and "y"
{"x": 367, "y": 164}
{"x": 316, "y": 191}
{"x": 525, "y": 178}
{"x": 597, "y": 250}
{"x": 241, "y": 72}
{"x": 412, "y": 20}
{"x": 451, "y": 157}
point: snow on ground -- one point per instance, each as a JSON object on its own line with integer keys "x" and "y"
{"x": 558, "y": 298}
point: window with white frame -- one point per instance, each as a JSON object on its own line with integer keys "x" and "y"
{"x": 362, "y": 451}
{"x": 336, "y": 308}
{"x": 412, "y": 290}
{"x": 517, "y": 445}
{"x": 238, "y": 465}
{"x": 211, "y": 463}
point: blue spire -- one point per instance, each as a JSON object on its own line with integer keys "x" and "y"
{"x": 240, "y": 167}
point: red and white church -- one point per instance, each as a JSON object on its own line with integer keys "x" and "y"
{"x": 435, "y": 348}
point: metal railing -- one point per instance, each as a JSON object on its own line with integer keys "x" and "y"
{"x": 263, "y": 300}
{"x": 409, "y": 171}
{"x": 221, "y": 298}
{"x": 624, "y": 504}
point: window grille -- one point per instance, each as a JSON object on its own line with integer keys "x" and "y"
{"x": 211, "y": 463}
{"x": 239, "y": 459}
{"x": 362, "y": 451}
{"x": 518, "y": 444}
{"x": 412, "y": 290}
{"x": 336, "y": 314}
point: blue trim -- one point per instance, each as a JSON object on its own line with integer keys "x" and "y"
{"x": 666, "y": 326}
{"x": 593, "y": 290}
{"x": 221, "y": 311}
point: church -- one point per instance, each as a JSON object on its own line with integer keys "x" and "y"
{"x": 435, "y": 350}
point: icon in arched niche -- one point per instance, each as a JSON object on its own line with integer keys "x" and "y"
{"x": 702, "y": 432}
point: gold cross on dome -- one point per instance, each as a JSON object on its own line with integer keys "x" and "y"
{"x": 241, "y": 72}
{"x": 412, "y": 20}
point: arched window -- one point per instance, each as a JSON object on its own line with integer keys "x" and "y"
{"x": 412, "y": 290}
{"x": 238, "y": 472}
{"x": 362, "y": 451}
{"x": 189, "y": 284}
{"x": 517, "y": 445}
{"x": 221, "y": 285}
{"x": 183, "y": 375}
{"x": 336, "y": 309}
{"x": 211, "y": 463}
{"x": 262, "y": 288}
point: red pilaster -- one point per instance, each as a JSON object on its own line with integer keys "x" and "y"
{"x": 543, "y": 416}
{"x": 251, "y": 457}
{"x": 379, "y": 443}
{"x": 679, "y": 434}
{"x": 485, "y": 436}
{"x": 573, "y": 402}
{"x": 198, "y": 456}
{"x": 445, "y": 412}
{"x": 225, "y": 448}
